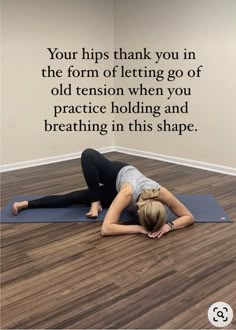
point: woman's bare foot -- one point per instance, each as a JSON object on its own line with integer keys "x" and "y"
{"x": 18, "y": 206}
{"x": 94, "y": 210}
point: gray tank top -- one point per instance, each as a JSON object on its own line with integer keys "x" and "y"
{"x": 138, "y": 182}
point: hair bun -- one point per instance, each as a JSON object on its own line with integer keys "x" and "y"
{"x": 150, "y": 194}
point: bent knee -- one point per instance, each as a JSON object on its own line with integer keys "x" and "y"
{"x": 87, "y": 153}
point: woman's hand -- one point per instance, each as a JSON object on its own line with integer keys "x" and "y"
{"x": 144, "y": 231}
{"x": 164, "y": 229}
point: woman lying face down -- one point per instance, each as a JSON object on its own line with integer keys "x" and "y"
{"x": 118, "y": 186}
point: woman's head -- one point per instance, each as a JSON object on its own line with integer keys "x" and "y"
{"x": 151, "y": 211}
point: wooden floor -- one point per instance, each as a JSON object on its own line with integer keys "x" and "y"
{"x": 66, "y": 276}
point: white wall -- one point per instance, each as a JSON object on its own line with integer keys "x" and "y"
{"x": 206, "y": 27}
{"x": 29, "y": 27}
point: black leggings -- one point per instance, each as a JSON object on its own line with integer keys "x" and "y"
{"x": 97, "y": 170}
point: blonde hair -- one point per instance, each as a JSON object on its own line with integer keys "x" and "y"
{"x": 152, "y": 214}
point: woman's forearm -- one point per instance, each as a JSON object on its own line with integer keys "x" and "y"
{"x": 117, "y": 229}
{"x": 183, "y": 221}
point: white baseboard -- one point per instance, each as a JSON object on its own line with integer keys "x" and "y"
{"x": 180, "y": 161}
{"x": 135, "y": 152}
{"x": 48, "y": 160}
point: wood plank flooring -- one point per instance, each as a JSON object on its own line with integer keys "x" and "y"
{"x": 66, "y": 276}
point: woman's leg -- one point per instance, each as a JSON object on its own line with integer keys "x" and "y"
{"x": 98, "y": 169}
{"x": 73, "y": 198}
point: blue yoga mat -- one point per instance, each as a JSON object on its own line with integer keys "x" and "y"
{"x": 205, "y": 208}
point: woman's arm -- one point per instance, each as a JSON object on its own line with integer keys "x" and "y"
{"x": 184, "y": 216}
{"x": 110, "y": 224}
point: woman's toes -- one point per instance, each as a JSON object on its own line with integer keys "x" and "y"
{"x": 15, "y": 208}
{"x": 18, "y": 206}
{"x": 90, "y": 215}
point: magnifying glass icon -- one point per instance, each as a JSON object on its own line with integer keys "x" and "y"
{"x": 220, "y": 314}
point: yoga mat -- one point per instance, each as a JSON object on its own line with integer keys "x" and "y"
{"x": 205, "y": 208}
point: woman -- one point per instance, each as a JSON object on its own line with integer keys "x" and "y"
{"x": 123, "y": 186}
